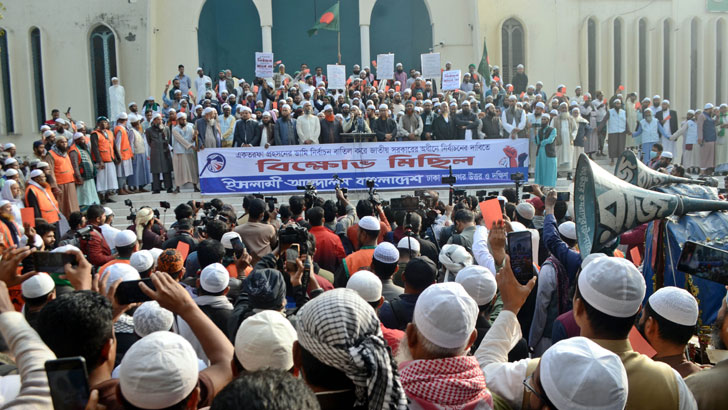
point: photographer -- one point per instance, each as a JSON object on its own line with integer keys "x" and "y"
{"x": 183, "y": 233}
{"x": 76, "y": 221}
{"x": 182, "y": 211}
{"x": 95, "y": 246}
{"x": 259, "y": 238}
{"x": 143, "y": 227}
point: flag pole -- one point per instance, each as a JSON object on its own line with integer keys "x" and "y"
{"x": 338, "y": 33}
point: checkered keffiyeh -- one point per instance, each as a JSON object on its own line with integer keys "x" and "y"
{"x": 342, "y": 331}
{"x": 452, "y": 382}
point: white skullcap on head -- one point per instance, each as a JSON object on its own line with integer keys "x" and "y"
{"x": 35, "y": 173}
{"x": 502, "y": 198}
{"x": 65, "y": 248}
{"x": 266, "y": 114}
{"x": 156, "y": 115}
{"x": 691, "y": 112}
{"x": 721, "y": 106}
{"x": 78, "y": 135}
{"x": 369, "y": 107}
{"x": 385, "y": 252}
{"x": 122, "y": 271}
{"x": 563, "y": 104}
{"x": 37, "y": 286}
{"x": 591, "y": 258}
{"x": 11, "y": 172}
{"x": 286, "y": 106}
{"x": 150, "y": 318}
{"x": 568, "y": 229}
{"x": 328, "y": 107}
{"x": 207, "y": 110}
{"x": 676, "y": 305}
{"x": 214, "y": 278}
{"x": 124, "y": 238}
{"x": 123, "y": 116}
{"x": 9, "y": 145}
{"x": 4, "y": 202}
{"x": 656, "y": 97}
{"x": 44, "y": 127}
{"x": 526, "y": 210}
{"x": 479, "y": 282}
{"x": 383, "y": 107}
{"x": 43, "y": 164}
{"x": 142, "y": 260}
{"x": 369, "y": 223}
{"x": 198, "y": 107}
{"x": 578, "y": 374}
{"x": 649, "y": 110}
{"x": 541, "y": 105}
{"x": 708, "y": 106}
{"x": 409, "y": 243}
{"x": 554, "y": 113}
{"x": 10, "y": 160}
{"x": 666, "y": 102}
{"x": 445, "y": 315}
{"x": 227, "y": 239}
{"x": 48, "y": 134}
{"x": 226, "y": 105}
{"x": 367, "y": 285}
{"x": 246, "y": 108}
{"x": 155, "y": 253}
{"x": 265, "y": 341}
{"x": 108, "y": 211}
{"x": 307, "y": 102}
{"x": 158, "y": 371}
{"x": 454, "y": 258}
{"x": 613, "y": 286}
{"x": 666, "y": 154}
{"x": 181, "y": 115}
{"x": 60, "y": 121}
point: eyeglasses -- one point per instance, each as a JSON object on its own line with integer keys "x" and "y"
{"x": 541, "y": 397}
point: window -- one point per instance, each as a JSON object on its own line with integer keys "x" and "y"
{"x": 617, "y": 52}
{"x": 7, "y": 96}
{"x": 643, "y": 69}
{"x": 592, "y": 55}
{"x": 103, "y": 67}
{"x": 666, "y": 58}
{"x": 512, "y": 48}
{"x": 719, "y": 54}
{"x": 694, "y": 63}
{"x": 37, "y": 60}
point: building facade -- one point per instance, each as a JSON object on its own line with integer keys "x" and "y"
{"x": 62, "y": 54}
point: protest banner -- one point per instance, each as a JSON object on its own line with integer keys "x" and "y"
{"x": 450, "y": 80}
{"x": 263, "y": 65}
{"x": 336, "y": 75}
{"x": 430, "y": 66}
{"x": 385, "y": 66}
{"x": 392, "y": 165}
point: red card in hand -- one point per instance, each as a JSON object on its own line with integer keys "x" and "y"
{"x": 636, "y": 257}
{"x": 28, "y": 216}
{"x": 491, "y": 210}
{"x": 183, "y": 248}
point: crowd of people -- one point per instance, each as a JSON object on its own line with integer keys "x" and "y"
{"x": 325, "y": 304}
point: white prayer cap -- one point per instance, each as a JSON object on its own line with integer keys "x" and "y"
{"x": 708, "y": 106}
{"x": 286, "y": 106}
{"x": 554, "y": 113}
{"x": 676, "y": 305}
{"x": 44, "y": 128}
{"x": 4, "y": 202}
{"x": 568, "y": 229}
{"x": 142, "y": 260}
{"x": 656, "y": 97}
{"x": 123, "y": 116}
{"x": 563, "y": 104}
{"x": 691, "y": 112}
{"x": 108, "y": 211}
{"x": 11, "y": 172}
{"x": 369, "y": 223}
{"x": 60, "y": 121}
{"x": 489, "y": 105}
{"x": 541, "y": 105}
{"x": 591, "y": 258}
{"x": 181, "y": 115}
{"x": 383, "y": 107}
{"x": 575, "y": 109}
{"x": 554, "y": 100}
{"x": 526, "y": 210}
{"x": 613, "y": 286}
{"x": 246, "y": 108}
{"x": 367, "y": 285}
{"x": 385, "y": 252}
{"x": 399, "y": 64}
{"x": 124, "y": 238}
{"x": 151, "y": 97}
{"x": 227, "y": 239}
{"x": 226, "y": 105}
{"x": 328, "y": 107}
{"x": 573, "y": 103}
{"x": 666, "y": 154}
{"x": 265, "y": 341}
{"x": 578, "y": 87}
{"x": 35, "y": 173}
{"x": 150, "y": 318}
{"x": 409, "y": 243}
{"x": 266, "y": 114}
{"x": 156, "y": 115}
{"x": 48, "y": 134}
{"x": 369, "y": 107}
{"x": 453, "y": 104}
{"x": 305, "y": 103}
{"x": 10, "y": 160}
{"x": 721, "y": 106}
{"x": 9, "y": 145}
{"x": 579, "y": 374}
{"x": 539, "y": 83}
{"x": 666, "y": 102}
{"x": 646, "y": 99}
{"x": 134, "y": 118}
{"x": 479, "y": 282}
{"x": 445, "y": 315}
{"x": 214, "y": 278}
{"x": 158, "y": 371}
{"x": 208, "y": 110}
{"x": 133, "y": 103}
{"x": 648, "y": 110}
{"x": 546, "y": 116}
{"x": 464, "y": 103}
{"x": 37, "y": 286}
{"x": 122, "y": 271}
{"x": 454, "y": 258}
{"x": 560, "y": 86}
{"x": 155, "y": 253}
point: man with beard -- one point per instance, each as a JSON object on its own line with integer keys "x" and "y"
{"x": 330, "y": 129}
{"x": 399, "y": 74}
{"x": 650, "y": 130}
{"x": 104, "y": 154}
{"x": 308, "y": 126}
{"x": 185, "y": 153}
{"x": 125, "y": 166}
{"x": 513, "y": 119}
{"x": 39, "y": 151}
{"x": 246, "y": 130}
{"x": 284, "y": 130}
{"x": 384, "y": 127}
{"x": 62, "y": 178}
{"x": 443, "y": 126}
{"x": 491, "y": 123}
{"x": 466, "y": 122}
{"x": 397, "y": 105}
{"x": 207, "y": 131}
{"x": 84, "y": 171}
{"x": 410, "y": 124}
{"x": 49, "y": 137}
{"x": 38, "y": 195}
{"x": 533, "y": 124}
{"x": 160, "y": 158}
{"x": 566, "y": 130}
{"x": 428, "y": 117}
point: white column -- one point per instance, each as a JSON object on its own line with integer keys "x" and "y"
{"x": 364, "y": 34}
{"x": 267, "y": 39}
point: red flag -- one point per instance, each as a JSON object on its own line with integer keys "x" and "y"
{"x": 374, "y": 63}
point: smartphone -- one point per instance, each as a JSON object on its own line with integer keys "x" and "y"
{"x": 68, "y": 382}
{"x": 130, "y": 292}
{"x": 527, "y": 188}
{"x": 51, "y": 262}
{"x": 563, "y": 196}
{"x": 238, "y": 247}
{"x": 271, "y": 201}
{"x": 705, "y": 262}
{"x": 292, "y": 253}
{"x": 519, "y": 249}
{"x": 68, "y": 111}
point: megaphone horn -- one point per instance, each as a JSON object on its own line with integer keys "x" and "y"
{"x": 629, "y": 168}
{"x": 606, "y": 206}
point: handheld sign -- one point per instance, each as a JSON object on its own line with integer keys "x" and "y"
{"x": 28, "y": 216}
{"x": 491, "y": 210}
{"x": 450, "y": 80}
{"x": 263, "y": 65}
{"x": 183, "y": 248}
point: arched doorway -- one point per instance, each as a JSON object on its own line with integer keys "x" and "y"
{"x": 402, "y": 27}
{"x": 103, "y": 66}
{"x": 228, "y": 36}
{"x": 513, "y": 48}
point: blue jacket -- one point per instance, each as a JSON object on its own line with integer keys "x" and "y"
{"x": 569, "y": 258}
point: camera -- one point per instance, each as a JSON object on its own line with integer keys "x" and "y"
{"x": 84, "y": 233}
{"x": 164, "y": 204}
{"x": 528, "y": 188}
{"x": 194, "y": 204}
{"x": 271, "y": 201}
{"x": 309, "y": 196}
{"x": 373, "y": 195}
{"x": 340, "y": 181}
{"x": 517, "y": 176}
{"x": 131, "y": 217}
{"x": 127, "y": 202}
{"x": 294, "y": 234}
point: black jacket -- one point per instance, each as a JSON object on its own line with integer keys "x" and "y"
{"x": 491, "y": 126}
{"x": 442, "y": 130}
{"x": 246, "y": 132}
{"x": 383, "y": 127}
{"x": 469, "y": 121}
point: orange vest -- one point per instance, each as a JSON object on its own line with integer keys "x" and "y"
{"x": 6, "y": 238}
{"x": 48, "y": 209}
{"x": 358, "y": 260}
{"x": 125, "y": 149}
{"x": 62, "y": 168}
{"x": 106, "y": 146}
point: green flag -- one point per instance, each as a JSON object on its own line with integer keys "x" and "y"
{"x": 484, "y": 67}
{"x": 328, "y": 21}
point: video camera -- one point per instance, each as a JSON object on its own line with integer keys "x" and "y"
{"x": 407, "y": 203}
{"x": 310, "y": 195}
{"x": 340, "y": 181}
{"x": 84, "y": 233}
{"x": 294, "y": 234}
{"x": 374, "y": 197}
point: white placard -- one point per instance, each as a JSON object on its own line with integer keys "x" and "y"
{"x": 430, "y": 65}
{"x": 385, "y": 66}
{"x": 336, "y": 75}
{"x": 263, "y": 65}
{"x": 450, "y": 80}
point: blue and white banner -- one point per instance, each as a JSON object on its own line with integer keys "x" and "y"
{"x": 392, "y": 165}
